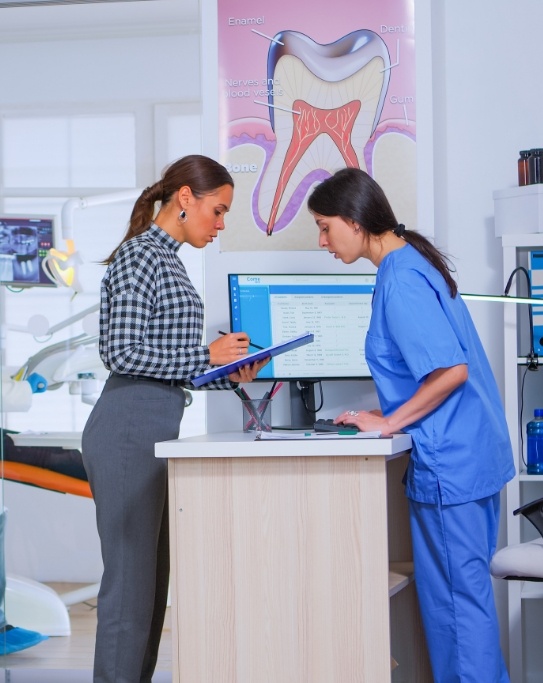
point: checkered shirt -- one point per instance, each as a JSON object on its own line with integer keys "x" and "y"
{"x": 151, "y": 317}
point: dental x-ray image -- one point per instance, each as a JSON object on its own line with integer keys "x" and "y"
{"x": 24, "y": 243}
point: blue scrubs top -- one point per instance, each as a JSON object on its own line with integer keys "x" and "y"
{"x": 461, "y": 450}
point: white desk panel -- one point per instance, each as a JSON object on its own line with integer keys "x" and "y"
{"x": 243, "y": 445}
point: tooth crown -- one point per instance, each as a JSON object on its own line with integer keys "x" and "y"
{"x": 331, "y": 62}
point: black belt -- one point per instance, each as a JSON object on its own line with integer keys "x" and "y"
{"x": 143, "y": 378}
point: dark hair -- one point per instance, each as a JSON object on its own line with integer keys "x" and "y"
{"x": 202, "y": 174}
{"x": 354, "y": 195}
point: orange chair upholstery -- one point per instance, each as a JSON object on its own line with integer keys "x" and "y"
{"x": 43, "y": 478}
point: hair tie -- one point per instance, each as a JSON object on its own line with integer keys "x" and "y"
{"x": 399, "y": 231}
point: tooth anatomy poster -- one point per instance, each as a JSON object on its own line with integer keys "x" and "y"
{"x": 306, "y": 88}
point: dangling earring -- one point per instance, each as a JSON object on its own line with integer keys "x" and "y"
{"x": 182, "y": 216}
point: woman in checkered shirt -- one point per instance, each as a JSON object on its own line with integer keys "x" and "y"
{"x": 151, "y": 325}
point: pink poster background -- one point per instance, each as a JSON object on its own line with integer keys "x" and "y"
{"x": 243, "y": 55}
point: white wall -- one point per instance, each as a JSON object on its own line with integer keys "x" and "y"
{"x": 487, "y": 107}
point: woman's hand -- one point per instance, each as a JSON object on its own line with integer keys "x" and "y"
{"x": 228, "y": 348}
{"x": 366, "y": 421}
{"x": 247, "y": 373}
{"x": 435, "y": 389}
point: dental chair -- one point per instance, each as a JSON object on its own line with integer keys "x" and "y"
{"x": 522, "y": 561}
{"x": 30, "y": 604}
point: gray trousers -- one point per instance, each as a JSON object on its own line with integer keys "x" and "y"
{"x": 129, "y": 486}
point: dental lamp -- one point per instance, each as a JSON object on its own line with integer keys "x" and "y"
{"x": 62, "y": 266}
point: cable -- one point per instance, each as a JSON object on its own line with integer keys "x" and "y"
{"x": 532, "y": 358}
{"x": 304, "y": 389}
{"x": 520, "y": 417}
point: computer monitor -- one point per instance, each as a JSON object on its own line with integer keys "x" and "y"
{"x": 336, "y": 308}
{"x": 24, "y": 243}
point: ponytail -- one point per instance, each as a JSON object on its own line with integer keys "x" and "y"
{"x": 202, "y": 174}
{"x": 440, "y": 262}
{"x": 141, "y": 216}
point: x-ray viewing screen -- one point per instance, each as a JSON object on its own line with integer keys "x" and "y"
{"x": 24, "y": 243}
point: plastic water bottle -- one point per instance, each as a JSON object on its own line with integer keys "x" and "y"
{"x": 534, "y": 432}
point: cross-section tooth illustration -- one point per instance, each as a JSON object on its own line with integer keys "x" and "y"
{"x": 327, "y": 107}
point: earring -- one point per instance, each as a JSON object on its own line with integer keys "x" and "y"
{"x": 182, "y": 216}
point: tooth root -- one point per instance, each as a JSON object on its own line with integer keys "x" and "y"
{"x": 339, "y": 89}
{"x": 309, "y": 123}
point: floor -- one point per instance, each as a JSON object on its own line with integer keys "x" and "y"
{"x": 68, "y": 659}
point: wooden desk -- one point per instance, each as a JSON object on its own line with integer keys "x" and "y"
{"x": 280, "y": 561}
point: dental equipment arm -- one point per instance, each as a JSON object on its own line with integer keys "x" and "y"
{"x": 75, "y": 360}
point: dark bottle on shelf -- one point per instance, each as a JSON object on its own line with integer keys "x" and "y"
{"x": 524, "y": 167}
{"x": 534, "y": 443}
{"x": 534, "y": 166}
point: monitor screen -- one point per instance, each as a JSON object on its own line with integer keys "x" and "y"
{"x": 24, "y": 243}
{"x": 335, "y": 308}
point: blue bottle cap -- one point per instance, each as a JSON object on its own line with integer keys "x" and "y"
{"x": 538, "y": 412}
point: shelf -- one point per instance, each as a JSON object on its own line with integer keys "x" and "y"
{"x": 531, "y": 590}
{"x": 524, "y": 476}
{"x": 524, "y": 241}
{"x": 521, "y": 360}
{"x": 518, "y": 210}
{"x": 400, "y": 575}
{"x": 518, "y": 214}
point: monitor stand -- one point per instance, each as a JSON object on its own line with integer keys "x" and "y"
{"x": 302, "y": 405}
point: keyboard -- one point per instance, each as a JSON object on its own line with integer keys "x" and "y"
{"x": 323, "y": 425}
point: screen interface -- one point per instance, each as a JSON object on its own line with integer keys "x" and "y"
{"x": 336, "y": 308}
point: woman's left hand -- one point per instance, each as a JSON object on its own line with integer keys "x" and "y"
{"x": 247, "y": 373}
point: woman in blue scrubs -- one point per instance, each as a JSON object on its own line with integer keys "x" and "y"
{"x": 434, "y": 382}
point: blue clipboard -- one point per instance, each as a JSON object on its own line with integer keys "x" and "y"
{"x": 275, "y": 350}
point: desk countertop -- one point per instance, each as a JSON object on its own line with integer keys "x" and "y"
{"x": 243, "y": 445}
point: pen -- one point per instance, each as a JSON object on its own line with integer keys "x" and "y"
{"x": 267, "y": 396}
{"x": 256, "y": 346}
{"x": 341, "y": 432}
{"x": 275, "y": 388}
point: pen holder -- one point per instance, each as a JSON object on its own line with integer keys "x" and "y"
{"x": 257, "y": 415}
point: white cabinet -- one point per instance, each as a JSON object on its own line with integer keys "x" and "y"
{"x": 523, "y": 393}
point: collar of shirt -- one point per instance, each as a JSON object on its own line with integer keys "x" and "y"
{"x": 162, "y": 237}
